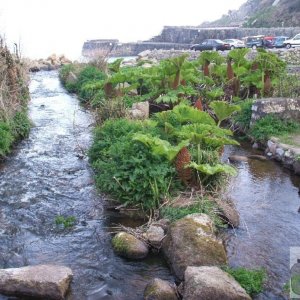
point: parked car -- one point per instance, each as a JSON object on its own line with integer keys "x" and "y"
{"x": 254, "y": 42}
{"x": 234, "y": 43}
{"x": 279, "y": 41}
{"x": 211, "y": 44}
{"x": 268, "y": 41}
{"x": 293, "y": 42}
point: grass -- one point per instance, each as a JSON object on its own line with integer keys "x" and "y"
{"x": 204, "y": 206}
{"x": 291, "y": 139}
{"x": 271, "y": 125}
{"x": 251, "y": 280}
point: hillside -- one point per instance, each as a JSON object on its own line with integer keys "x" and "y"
{"x": 262, "y": 13}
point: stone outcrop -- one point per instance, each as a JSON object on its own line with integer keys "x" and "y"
{"x": 285, "y": 108}
{"x": 288, "y": 155}
{"x": 41, "y": 281}
{"x": 53, "y": 62}
{"x": 159, "y": 289}
{"x": 128, "y": 246}
{"x": 191, "y": 241}
{"x": 211, "y": 283}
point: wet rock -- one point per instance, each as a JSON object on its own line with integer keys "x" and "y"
{"x": 211, "y": 283}
{"x": 255, "y": 146}
{"x": 42, "y": 281}
{"x": 128, "y": 246}
{"x": 258, "y": 157}
{"x": 159, "y": 289}
{"x": 155, "y": 235}
{"x": 296, "y": 167}
{"x": 228, "y": 212}
{"x": 191, "y": 241}
{"x": 237, "y": 158}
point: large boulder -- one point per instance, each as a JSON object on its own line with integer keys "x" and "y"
{"x": 191, "y": 241}
{"x": 159, "y": 289}
{"x": 41, "y": 281}
{"x": 211, "y": 283}
{"x": 128, "y": 246}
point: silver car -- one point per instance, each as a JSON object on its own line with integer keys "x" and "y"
{"x": 293, "y": 42}
{"x": 235, "y": 43}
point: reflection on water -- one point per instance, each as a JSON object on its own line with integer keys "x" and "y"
{"x": 267, "y": 198}
{"x": 45, "y": 178}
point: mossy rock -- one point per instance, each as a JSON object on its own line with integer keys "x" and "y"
{"x": 191, "y": 241}
{"x": 159, "y": 289}
{"x": 128, "y": 246}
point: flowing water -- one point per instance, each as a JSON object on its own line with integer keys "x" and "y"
{"x": 267, "y": 199}
{"x": 44, "y": 178}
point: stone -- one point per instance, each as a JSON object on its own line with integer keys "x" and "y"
{"x": 211, "y": 283}
{"x": 144, "y": 53}
{"x": 237, "y": 158}
{"x": 147, "y": 66}
{"x": 296, "y": 167}
{"x": 228, "y": 212}
{"x": 191, "y": 241}
{"x": 280, "y": 152}
{"x": 159, "y": 289}
{"x": 155, "y": 235}
{"x": 255, "y": 145}
{"x": 40, "y": 281}
{"x": 140, "y": 110}
{"x": 128, "y": 246}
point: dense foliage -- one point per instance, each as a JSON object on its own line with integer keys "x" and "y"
{"x": 14, "y": 122}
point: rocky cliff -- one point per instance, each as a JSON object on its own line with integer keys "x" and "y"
{"x": 262, "y": 13}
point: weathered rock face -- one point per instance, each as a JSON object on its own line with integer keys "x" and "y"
{"x": 42, "y": 281}
{"x": 286, "y": 108}
{"x": 228, "y": 212}
{"x": 191, "y": 241}
{"x": 53, "y": 62}
{"x": 159, "y": 289}
{"x": 129, "y": 246}
{"x": 211, "y": 283}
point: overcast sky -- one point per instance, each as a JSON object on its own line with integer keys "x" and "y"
{"x": 61, "y": 26}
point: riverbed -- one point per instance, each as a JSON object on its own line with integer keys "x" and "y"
{"x": 48, "y": 175}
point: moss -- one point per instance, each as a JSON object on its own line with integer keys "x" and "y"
{"x": 120, "y": 245}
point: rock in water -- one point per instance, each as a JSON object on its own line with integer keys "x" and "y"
{"x": 191, "y": 241}
{"x": 129, "y": 246}
{"x": 211, "y": 283}
{"x": 237, "y": 158}
{"x": 159, "y": 289}
{"x": 41, "y": 281}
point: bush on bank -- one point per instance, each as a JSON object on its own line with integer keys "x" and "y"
{"x": 14, "y": 95}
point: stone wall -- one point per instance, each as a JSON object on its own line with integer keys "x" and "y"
{"x": 193, "y": 35}
{"x": 114, "y": 48}
{"x": 283, "y": 107}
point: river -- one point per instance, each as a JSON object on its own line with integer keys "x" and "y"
{"x": 46, "y": 177}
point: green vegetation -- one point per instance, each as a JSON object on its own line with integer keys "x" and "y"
{"x": 66, "y": 222}
{"x": 271, "y": 125}
{"x": 243, "y": 117}
{"x": 14, "y": 95}
{"x": 251, "y": 280}
{"x": 201, "y": 205}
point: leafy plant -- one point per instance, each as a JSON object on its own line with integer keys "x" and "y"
{"x": 223, "y": 110}
{"x": 214, "y": 169}
{"x": 66, "y": 222}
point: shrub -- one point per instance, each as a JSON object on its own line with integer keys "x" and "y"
{"x": 251, "y": 280}
{"x": 6, "y": 138}
{"x": 271, "y": 125}
{"x": 243, "y": 117}
{"x": 127, "y": 170}
{"x": 21, "y": 125}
